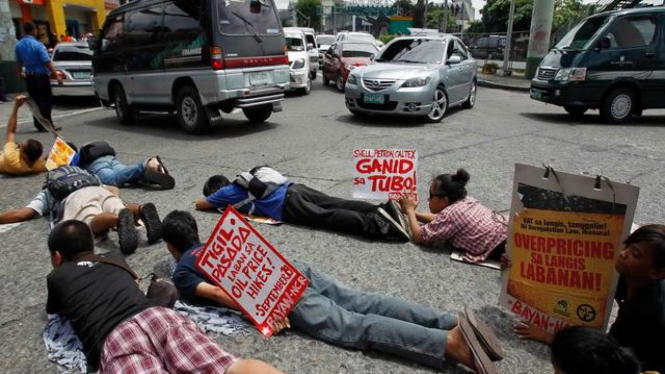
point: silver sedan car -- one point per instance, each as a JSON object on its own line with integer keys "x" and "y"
{"x": 419, "y": 76}
{"x": 73, "y": 62}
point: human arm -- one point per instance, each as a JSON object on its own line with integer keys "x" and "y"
{"x": 46, "y": 60}
{"x": 54, "y": 74}
{"x": 204, "y": 204}
{"x": 425, "y": 217}
{"x": 19, "y": 70}
{"x": 409, "y": 205}
{"x": 526, "y": 330}
{"x": 251, "y": 366}
{"x": 18, "y": 215}
{"x": 12, "y": 123}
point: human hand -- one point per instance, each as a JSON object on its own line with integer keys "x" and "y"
{"x": 58, "y": 77}
{"x": 20, "y": 100}
{"x": 505, "y": 262}
{"x": 21, "y": 75}
{"x": 280, "y": 324}
{"x": 526, "y": 330}
{"x": 408, "y": 202}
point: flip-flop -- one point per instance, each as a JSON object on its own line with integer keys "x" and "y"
{"x": 165, "y": 181}
{"x": 161, "y": 168}
{"x": 486, "y": 336}
{"x": 483, "y": 364}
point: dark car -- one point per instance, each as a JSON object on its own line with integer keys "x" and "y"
{"x": 342, "y": 57}
{"x": 489, "y": 47}
{"x": 612, "y": 61}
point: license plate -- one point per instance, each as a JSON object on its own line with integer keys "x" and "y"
{"x": 81, "y": 75}
{"x": 537, "y": 94}
{"x": 374, "y": 99}
{"x": 256, "y": 79}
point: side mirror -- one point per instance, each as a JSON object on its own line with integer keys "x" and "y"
{"x": 454, "y": 60}
{"x": 310, "y": 46}
{"x": 371, "y": 57}
{"x": 604, "y": 43}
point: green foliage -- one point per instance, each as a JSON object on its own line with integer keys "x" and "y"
{"x": 405, "y": 7}
{"x": 435, "y": 18}
{"x": 495, "y": 13}
{"x": 308, "y": 7}
{"x": 475, "y": 27}
{"x": 568, "y": 12}
{"x": 387, "y": 37}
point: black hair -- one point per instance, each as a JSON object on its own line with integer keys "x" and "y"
{"x": 451, "y": 185}
{"x": 33, "y": 149}
{"x": 73, "y": 146}
{"x": 180, "y": 230}
{"x": 29, "y": 27}
{"x": 654, "y": 236}
{"x": 71, "y": 238}
{"x": 214, "y": 183}
{"x": 582, "y": 350}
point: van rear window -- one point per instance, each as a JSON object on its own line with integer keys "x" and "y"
{"x": 247, "y": 17}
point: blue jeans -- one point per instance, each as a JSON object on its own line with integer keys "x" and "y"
{"x": 335, "y": 314}
{"x": 112, "y": 172}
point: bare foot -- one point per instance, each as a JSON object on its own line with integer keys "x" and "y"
{"x": 153, "y": 164}
{"x": 457, "y": 347}
{"x": 526, "y": 330}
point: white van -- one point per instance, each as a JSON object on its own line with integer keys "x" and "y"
{"x": 299, "y": 60}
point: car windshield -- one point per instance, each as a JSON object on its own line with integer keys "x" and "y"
{"x": 72, "y": 54}
{"x": 247, "y": 17}
{"x": 325, "y": 39}
{"x": 358, "y": 50}
{"x": 365, "y": 38}
{"x": 294, "y": 43}
{"x": 580, "y": 36}
{"x": 417, "y": 51}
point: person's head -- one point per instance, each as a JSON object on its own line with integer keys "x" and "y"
{"x": 29, "y": 28}
{"x": 215, "y": 183}
{"x": 180, "y": 232}
{"x": 447, "y": 189}
{"x": 643, "y": 254}
{"x": 69, "y": 239}
{"x": 31, "y": 150}
{"x": 582, "y": 350}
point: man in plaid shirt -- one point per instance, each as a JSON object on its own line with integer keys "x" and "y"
{"x": 121, "y": 331}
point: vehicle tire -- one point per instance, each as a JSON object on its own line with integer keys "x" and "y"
{"x": 439, "y": 106}
{"x": 191, "y": 114}
{"x": 326, "y": 81}
{"x": 123, "y": 110}
{"x": 339, "y": 83}
{"x": 306, "y": 90}
{"x": 258, "y": 114}
{"x": 471, "y": 101}
{"x": 358, "y": 113}
{"x": 618, "y": 105}
{"x": 575, "y": 111}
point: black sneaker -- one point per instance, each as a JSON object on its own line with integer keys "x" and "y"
{"x": 153, "y": 224}
{"x": 396, "y": 227}
{"x": 397, "y": 214}
{"x": 127, "y": 234}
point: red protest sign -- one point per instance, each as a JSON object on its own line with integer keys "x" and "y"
{"x": 251, "y": 271}
{"x": 384, "y": 173}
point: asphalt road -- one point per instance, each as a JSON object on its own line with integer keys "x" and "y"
{"x": 311, "y": 142}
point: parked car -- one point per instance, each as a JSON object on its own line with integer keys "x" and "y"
{"x": 73, "y": 62}
{"x": 312, "y": 49}
{"x": 612, "y": 61}
{"x": 198, "y": 58}
{"x": 343, "y": 57}
{"x": 296, "y": 46}
{"x": 489, "y": 47}
{"x": 418, "y": 76}
{"x": 353, "y": 36}
{"x": 324, "y": 42}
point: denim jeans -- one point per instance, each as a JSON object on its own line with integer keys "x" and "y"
{"x": 112, "y": 172}
{"x": 347, "y": 318}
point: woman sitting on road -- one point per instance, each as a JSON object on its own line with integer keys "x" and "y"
{"x": 457, "y": 218}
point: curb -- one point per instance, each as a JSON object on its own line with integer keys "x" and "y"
{"x": 503, "y": 86}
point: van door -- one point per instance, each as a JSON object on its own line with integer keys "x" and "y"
{"x": 467, "y": 66}
{"x": 143, "y": 39}
{"x": 657, "y": 80}
{"x": 109, "y": 61}
{"x": 453, "y": 76}
{"x": 630, "y": 56}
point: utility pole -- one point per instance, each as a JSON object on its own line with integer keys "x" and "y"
{"x": 509, "y": 39}
{"x": 294, "y": 14}
{"x": 539, "y": 35}
{"x": 446, "y": 16}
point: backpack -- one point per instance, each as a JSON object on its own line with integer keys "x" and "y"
{"x": 92, "y": 151}
{"x": 66, "y": 179}
{"x": 260, "y": 183}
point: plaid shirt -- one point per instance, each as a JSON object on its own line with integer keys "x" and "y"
{"x": 467, "y": 225}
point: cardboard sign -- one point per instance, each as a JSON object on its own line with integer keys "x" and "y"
{"x": 61, "y": 154}
{"x": 251, "y": 271}
{"x": 564, "y": 235}
{"x": 384, "y": 173}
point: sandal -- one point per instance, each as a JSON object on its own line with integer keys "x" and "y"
{"x": 482, "y": 363}
{"x": 485, "y": 335}
{"x": 161, "y": 167}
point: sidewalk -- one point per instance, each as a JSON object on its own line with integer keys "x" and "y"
{"x": 513, "y": 82}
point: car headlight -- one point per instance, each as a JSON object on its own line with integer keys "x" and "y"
{"x": 299, "y": 64}
{"x": 571, "y": 74}
{"x": 351, "y": 79}
{"x": 417, "y": 82}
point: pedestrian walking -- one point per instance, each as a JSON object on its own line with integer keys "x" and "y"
{"x": 32, "y": 55}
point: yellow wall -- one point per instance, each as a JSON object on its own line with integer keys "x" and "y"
{"x": 56, "y": 13}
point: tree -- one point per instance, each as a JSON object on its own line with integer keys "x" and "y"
{"x": 405, "y": 7}
{"x": 475, "y": 27}
{"x": 495, "y": 14}
{"x": 435, "y": 18}
{"x": 308, "y": 8}
{"x": 568, "y": 12}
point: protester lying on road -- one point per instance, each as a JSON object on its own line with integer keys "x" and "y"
{"x": 640, "y": 322}
{"x": 338, "y": 315}
{"x": 265, "y": 192}
{"x": 121, "y": 331}
{"x": 99, "y": 158}
{"x": 583, "y": 350}
{"x": 73, "y": 193}
{"x": 24, "y": 157}
{"x": 456, "y": 218}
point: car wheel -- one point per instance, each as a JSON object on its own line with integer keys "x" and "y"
{"x": 307, "y": 88}
{"x": 358, "y": 113}
{"x": 618, "y": 106}
{"x": 439, "y": 106}
{"x": 575, "y": 111}
{"x": 123, "y": 110}
{"x": 191, "y": 114}
{"x": 258, "y": 114}
{"x": 471, "y": 101}
{"x": 339, "y": 83}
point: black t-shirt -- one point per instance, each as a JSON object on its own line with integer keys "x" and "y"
{"x": 640, "y": 324}
{"x": 187, "y": 277}
{"x": 95, "y": 298}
